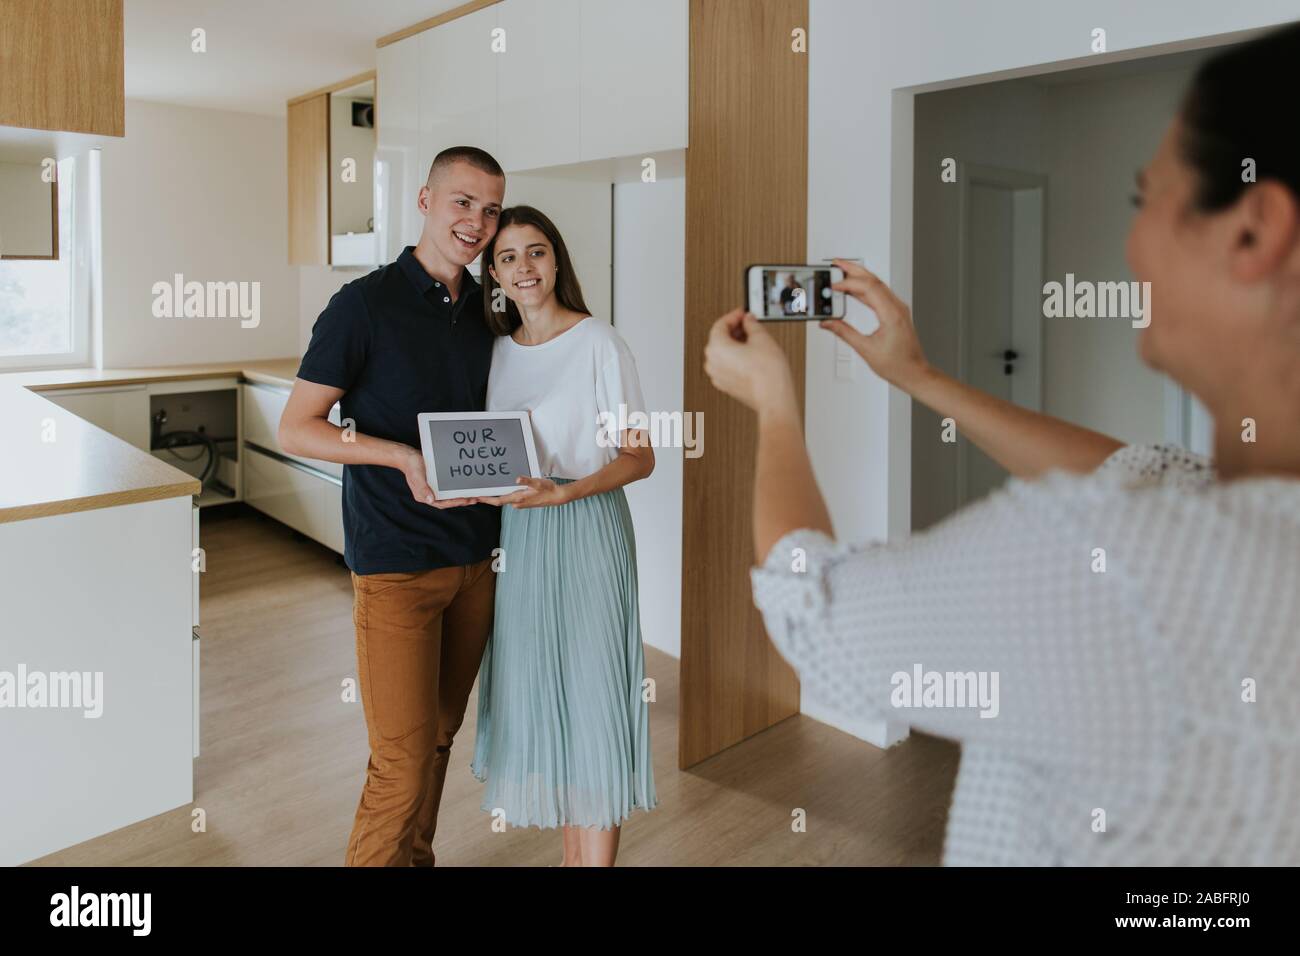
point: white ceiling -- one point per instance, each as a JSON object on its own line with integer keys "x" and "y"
{"x": 260, "y": 53}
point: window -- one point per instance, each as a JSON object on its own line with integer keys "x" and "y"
{"x": 44, "y": 308}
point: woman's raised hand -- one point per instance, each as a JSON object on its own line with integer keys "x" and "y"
{"x": 893, "y": 351}
{"x": 744, "y": 361}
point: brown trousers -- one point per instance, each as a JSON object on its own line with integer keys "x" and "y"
{"x": 420, "y": 638}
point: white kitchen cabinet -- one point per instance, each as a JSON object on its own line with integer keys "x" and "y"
{"x": 635, "y": 76}
{"x": 275, "y": 487}
{"x": 263, "y": 406}
{"x": 105, "y": 593}
{"x": 294, "y": 494}
{"x": 397, "y": 118}
{"x": 121, "y": 410}
{"x": 578, "y": 80}
{"x": 304, "y": 493}
{"x": 538, "y": 77}
{"x": 458, "y": 85}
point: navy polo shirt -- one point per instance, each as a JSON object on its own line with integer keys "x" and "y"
{"x": 397, "y": 345}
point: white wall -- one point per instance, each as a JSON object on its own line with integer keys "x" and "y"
{"x": 579, "y": 204}
{"x": 315, "y": 286}
{"x": 202, "y": 193}
{"x": 649, "y": 313}
{"x": 859, "y": 200}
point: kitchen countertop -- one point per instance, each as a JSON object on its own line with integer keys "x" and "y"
{"x": 85, "y": 467}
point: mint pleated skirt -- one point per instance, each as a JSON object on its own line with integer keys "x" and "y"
{"x": 563, "y": 727}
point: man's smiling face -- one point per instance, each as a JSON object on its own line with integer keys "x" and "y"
{"x": 461, "y": 205}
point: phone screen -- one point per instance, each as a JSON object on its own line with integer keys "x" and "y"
{"x": 797, "y": 292}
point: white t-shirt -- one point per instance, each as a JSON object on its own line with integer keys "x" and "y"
{"x": 565, "y": 385}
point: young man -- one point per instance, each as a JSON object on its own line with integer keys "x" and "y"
{"x": 405, "y": 339}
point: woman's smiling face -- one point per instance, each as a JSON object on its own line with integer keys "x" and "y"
{"x": 524, "y": 265}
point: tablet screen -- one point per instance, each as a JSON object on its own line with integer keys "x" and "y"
{"x": 476, "y": 453}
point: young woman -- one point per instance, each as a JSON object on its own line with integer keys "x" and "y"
{"x": 1148, "y": 713}
{"x": 563, "y": 729}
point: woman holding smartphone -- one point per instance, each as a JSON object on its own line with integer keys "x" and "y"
{"x": 1138, "y": 604}
{"x": 563, "y": 726}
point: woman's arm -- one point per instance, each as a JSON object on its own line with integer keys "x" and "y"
{"x": 636, "y": 460}
{"x": 745, "y": 362}
{"x": 997, "y": 604}
{"x": 1024, "y": 442}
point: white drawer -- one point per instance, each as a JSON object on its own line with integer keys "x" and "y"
{"x": 278, "y": 489}
{"x": 263, "y": 406}
{"x": 285, "y": 490}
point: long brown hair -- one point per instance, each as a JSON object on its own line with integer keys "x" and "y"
{"x": 568, "y": 291}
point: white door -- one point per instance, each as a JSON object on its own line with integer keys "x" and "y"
{"x": 1000, "y": 325}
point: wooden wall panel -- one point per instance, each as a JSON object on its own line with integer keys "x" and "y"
{"x": 309, "y": 181}
{"x": 61, "y": 65}
{"x": 746, "y": 202}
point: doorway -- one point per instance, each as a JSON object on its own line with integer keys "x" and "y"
{"x": 1045, "y": 168}
{"x": 999, "y": 318}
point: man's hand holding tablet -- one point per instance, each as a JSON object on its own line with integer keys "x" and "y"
{"x": 413, "y": 468}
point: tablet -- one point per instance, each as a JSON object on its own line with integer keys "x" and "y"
{"x": 476, "y": 454}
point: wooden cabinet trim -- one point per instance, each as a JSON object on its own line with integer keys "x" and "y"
{"x": 453, "y": 14}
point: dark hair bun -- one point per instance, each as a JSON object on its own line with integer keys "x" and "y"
{"x": 1237, "y": 110}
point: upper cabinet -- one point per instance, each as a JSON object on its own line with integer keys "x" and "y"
{"x": 458, "y": 84}
{"x": 61, "y": 66}
{"x": 538, "y": 83}
{"x": 538, "y": 77}
{"x": 635, "y": 76}
{"x": 397, "y": 115}
{"x": 335, "y": 180}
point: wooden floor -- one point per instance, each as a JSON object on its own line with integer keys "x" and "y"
{"x": 283, "y": 756}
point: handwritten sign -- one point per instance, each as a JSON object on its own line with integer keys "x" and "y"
{"x": 476, "y": 455}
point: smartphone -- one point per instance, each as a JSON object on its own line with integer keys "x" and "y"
{"x": 794, "y": 293}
